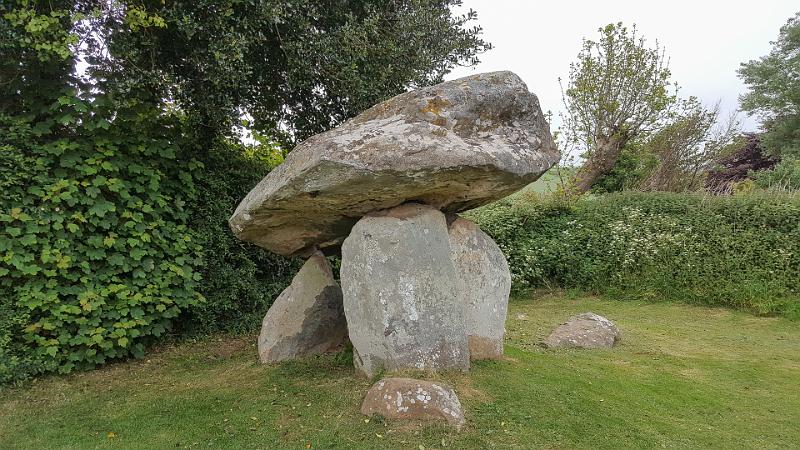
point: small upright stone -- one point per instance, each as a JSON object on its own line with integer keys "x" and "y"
{"x": 400, "y": 292}
{"x": 484, "y": 284}
{"x": 586, "y": 330}
{"x": 409, "y": 399}
{"x": 307, "y": 318}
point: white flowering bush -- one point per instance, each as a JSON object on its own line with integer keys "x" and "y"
{"x": 740, "y": 251}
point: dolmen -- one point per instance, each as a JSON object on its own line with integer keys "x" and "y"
{"x": 421, "y": 287}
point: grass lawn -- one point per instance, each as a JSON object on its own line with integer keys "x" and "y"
{"x": 683, "y": 376}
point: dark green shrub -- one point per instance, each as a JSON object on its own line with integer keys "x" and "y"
{"x": 740, "y": 251}
{"x": 240, "y": 280}
{"x": 16, "y": 362}
{"x": 106, "y": 233}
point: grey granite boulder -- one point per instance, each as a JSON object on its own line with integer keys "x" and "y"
{"x": 409, "y": 399}
{"x": 586, "y": 330}
{"x": 400, "y": 292}
{"x": 454, "y": 146}
{"x": 307, "y": 318}
{"x": 484, "y": 284}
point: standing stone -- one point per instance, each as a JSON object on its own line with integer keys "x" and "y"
{"x": 307, "y": 318}
{"x": 406, "y": 398}
{"x": 586, "y": 330}
{"x": 400, "y": 293}
{"x": 484, "y": 284}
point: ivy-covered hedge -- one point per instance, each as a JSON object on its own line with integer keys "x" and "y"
{"x": 96, "y": 259}
{"x": 740, "y": 251}
{"x": 111, "y": 238}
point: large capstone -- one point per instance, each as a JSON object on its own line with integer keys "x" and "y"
{"x": 483, "y": 284}
{"x": 401, "y": 294}
{"x": 455, "y": 146}
{"x": 307, "y": 318}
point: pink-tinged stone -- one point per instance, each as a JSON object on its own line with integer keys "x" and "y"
{"x": 410, "y": 399}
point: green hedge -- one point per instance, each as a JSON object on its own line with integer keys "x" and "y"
{"x": 111, "y": 237}
{"x": 96, "y": 260}
{"x": 741, "y": 251}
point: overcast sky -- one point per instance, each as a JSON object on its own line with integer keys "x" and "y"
{"x": 705, "y": 40}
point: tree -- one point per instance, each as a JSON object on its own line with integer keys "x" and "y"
{"x": 685, "y": 148}
{"x": 618, "y": 90}
{"x": 775, "y": 91}
{"x": 296, "y": 67}
{"x": 742, "y": 160}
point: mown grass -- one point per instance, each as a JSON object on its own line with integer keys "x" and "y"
{"x": 683, "y": 377}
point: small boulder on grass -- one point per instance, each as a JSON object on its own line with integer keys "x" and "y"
{"x": 410, "y": 399}
{"x": 585, "y": 330}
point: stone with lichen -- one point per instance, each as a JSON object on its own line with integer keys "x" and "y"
{"x": 410, "y": 399}
{"x": 586, "y": 330}
{"x": 307, "y": 318}
{"x": 400, "y": 293}
{"x": 483, "y": 281}
{"x": 455, "y": 146}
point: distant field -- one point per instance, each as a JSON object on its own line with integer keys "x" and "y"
{"x": 683, "y": 376}
{"x": 548, "y": 182}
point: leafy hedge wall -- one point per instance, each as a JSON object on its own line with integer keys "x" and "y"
{"x": 95, "y": 256}
{"x": 741, "y": 251}
{"x": 111, "y": 238}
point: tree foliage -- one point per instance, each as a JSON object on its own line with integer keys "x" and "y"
{"x": 240, "y": 280}
{"x": 783, "y": 176}
{"x": 738, "y": 163}
{"x": 618, "y": 89}
{"x": 774, "y": 91}
{"x": 296, "y": 67}
{"x": 686, "y": 147}
{"x": 634, "y": 164}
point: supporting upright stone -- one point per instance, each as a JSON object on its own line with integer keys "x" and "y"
{"x": 484, "y": 284}
{"x": 307, "y": 318}
{"x": 400, "y": 294}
